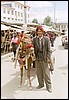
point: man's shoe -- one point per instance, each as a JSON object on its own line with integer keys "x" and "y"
{"x": 38, "y": 87}
{"x": 49, "y": 90}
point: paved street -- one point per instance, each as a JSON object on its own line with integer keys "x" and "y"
{"x": 10, "y": 78}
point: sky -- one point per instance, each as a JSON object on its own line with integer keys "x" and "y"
{"x": 57, "y": 10}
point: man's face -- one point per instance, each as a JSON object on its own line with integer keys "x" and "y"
{"x": 40, "y": 33}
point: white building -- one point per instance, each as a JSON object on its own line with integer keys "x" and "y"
{"x": 14, "y": 12}
{"x": 62, "y": 27}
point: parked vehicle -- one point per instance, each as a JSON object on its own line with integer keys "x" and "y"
{"x": 64, "y": 40}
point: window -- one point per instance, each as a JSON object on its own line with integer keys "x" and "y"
{"x": 15, "y": 13}
{"x": 28, "y": 15}
{"x": 4, "y": 10}
{"x": 18, "y": 6}
{"x": 21, "y": 14}
{"x": 8, "y": 18}
{"x": 15, "y": 5}
{"x": 9, "y": 5}
{"x": 62, "y": 26}
{"x": 12, "y": 18}
{"x": 28, "y": 9}
{"x": 21, "y": 20}
{"x": 56, "y": 26}
{"x": 18, "y": 19}
{"x": 21, "y": 7}
{"x": 8, "y": 11}
{"x": 18, "y": 13}
{"x": 4, "y": 17}
{"x": 12, "y": 12}
{"x": 59, "y": 26}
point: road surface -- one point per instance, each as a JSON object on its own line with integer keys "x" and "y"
{"x": 10, "y": 78}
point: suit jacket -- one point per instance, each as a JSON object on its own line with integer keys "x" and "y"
{"x": 45, "y": 45}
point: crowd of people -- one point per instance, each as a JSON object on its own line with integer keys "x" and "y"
{"x": 7, "y": 37}
{"x": 52, "y": 37}
{"x": 5, "y": 41}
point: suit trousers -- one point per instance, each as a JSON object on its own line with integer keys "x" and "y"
{"x": 43, "y": 73}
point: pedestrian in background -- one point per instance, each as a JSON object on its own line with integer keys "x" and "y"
{"x": 14, "y": 43}
{"x": 52, "y": 39}
{"x": 42, "y": 53}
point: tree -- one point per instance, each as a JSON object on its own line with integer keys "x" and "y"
{"x": 35, "y": 21}
{"x": 47, "y": 21}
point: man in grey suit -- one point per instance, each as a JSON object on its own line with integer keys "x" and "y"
{"x": 42, "y": 53}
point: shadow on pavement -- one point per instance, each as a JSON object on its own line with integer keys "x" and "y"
{"x": 9, "y": 90}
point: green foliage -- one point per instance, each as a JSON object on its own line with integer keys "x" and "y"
{"x": 35, "y": 21}
{"x": 47, "y": 21}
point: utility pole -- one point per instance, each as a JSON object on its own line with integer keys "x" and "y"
{"x": 54, "y": 13}
{"x": 25, "y": 17}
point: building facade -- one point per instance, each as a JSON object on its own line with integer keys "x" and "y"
{"x": 62, "y": 27}
{"x": 15, "y": 12}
